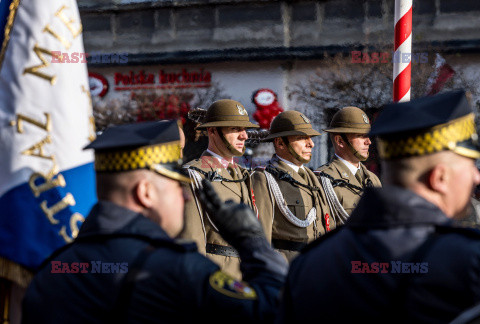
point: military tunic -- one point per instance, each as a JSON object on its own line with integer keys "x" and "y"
{"x": 287, "y": 237}
{"x": 198, "y": 226}
{"x": 348, "y": 197}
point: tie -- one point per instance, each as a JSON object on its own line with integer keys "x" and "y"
{"x": 235, "y": 176}
{"x": 359, "y": 177}
{"x": 231, "y": 169}
{"x": 303, "y": 174}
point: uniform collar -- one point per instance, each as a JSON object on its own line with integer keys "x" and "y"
{"x": 108, "y": 218}
{"x": 221, "y": 159}
{"x": 290, "y": 164}
{"x": 391, "y": 206}
{"x": 353, "y": 169}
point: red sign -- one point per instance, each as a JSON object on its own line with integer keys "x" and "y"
{"x": 181, "y": 79}
{"x": 98, "y": 84}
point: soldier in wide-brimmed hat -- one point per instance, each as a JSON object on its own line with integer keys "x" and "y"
{"x": 401, "y": 258}
{"x": 226, "y": 122}
{"x": 126, "y": 265}
{"x": 345, "y": 177}
{"x": 290, "y": 202}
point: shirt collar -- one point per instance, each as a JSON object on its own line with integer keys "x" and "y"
{"x": 349, "y": 165}
{"x": 290, "y": 164}
{"x": 221, "y": 159}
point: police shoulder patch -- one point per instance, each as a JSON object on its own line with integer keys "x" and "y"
{"x": 228, "y": 286}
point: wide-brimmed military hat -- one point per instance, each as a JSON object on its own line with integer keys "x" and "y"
{"x": 351, "y": 120}
{"x": 427, "y": 125}
{"x": 147, "y": 145}
{"x": 226, "y": 113}
{"x": 289, "y": 123}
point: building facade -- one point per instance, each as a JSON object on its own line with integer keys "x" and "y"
{"x": 175, "y": 55}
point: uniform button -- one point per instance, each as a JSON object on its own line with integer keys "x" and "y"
{"x": 298, "y": 201}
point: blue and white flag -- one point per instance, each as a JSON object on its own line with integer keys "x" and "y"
{"x": 46, "y": 179}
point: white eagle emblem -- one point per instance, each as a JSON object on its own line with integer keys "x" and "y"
{"x": 365, "y": 119}
{"x": 241, "y": 110}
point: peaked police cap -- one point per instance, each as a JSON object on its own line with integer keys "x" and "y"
{"x": 427, "y": 125}
{"x": 148, "y": 145}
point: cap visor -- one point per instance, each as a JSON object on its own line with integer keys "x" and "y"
{"x": 468, "y": 149}
{"x": 175, "y": 174}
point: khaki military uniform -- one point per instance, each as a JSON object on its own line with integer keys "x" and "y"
{"x": 287, "y": 237}
{"x": 348, "y": 197}
{"x": 199, "y": 227}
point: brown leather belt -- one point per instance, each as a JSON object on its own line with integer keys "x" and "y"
{"x": 287, "y": 245}
{"x": 221, "y": 250}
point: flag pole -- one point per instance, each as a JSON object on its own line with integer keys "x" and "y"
{"x": 402, "y": 66}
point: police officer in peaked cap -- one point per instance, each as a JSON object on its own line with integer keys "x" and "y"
{"x": 226, "y": 122}
{"x": 345, "y": 177}
{"x": 126, "y": 264}
{"x": 400, "y": 258}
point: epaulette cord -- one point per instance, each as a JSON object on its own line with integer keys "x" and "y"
{"x": 214, "y": 176}
{"x": 343, "y": 183}
{"x": 284, "y": 176}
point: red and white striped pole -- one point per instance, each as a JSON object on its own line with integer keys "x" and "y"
{"x": 402, "y": 57}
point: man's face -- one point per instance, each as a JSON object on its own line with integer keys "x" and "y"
{"x": 463, "y": 180}
{"x": 170, "y": 198}
{"x": 236, "y": 136}
{"x": 361, "y": 144}
{"x": 302, "y": 145}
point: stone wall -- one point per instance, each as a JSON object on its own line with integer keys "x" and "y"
{"x": 245, "y": 29}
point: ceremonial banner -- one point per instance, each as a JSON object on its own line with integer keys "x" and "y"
{"x": 46, "y": 179}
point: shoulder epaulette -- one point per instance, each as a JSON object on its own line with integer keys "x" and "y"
{"x": 322, "y": 167}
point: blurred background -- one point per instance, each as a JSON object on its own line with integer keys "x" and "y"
{"x": 158, "y": 59}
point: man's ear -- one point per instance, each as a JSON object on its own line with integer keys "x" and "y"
{"x": 279, "y": 142}
{"x": 211, "y": 130}
{"x": 439, "y": 178}
{"x": 339, "y": 140}
{"x": 144, "y": 193}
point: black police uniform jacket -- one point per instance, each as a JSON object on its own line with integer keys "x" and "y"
{"x": 397, "y": 259}
{"x": 173, "y": 282}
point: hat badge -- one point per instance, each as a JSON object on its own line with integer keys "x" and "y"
{"x": 241, "y": 110}
{"x": 305, "y": 119}
{"x": 365, "y": 118}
